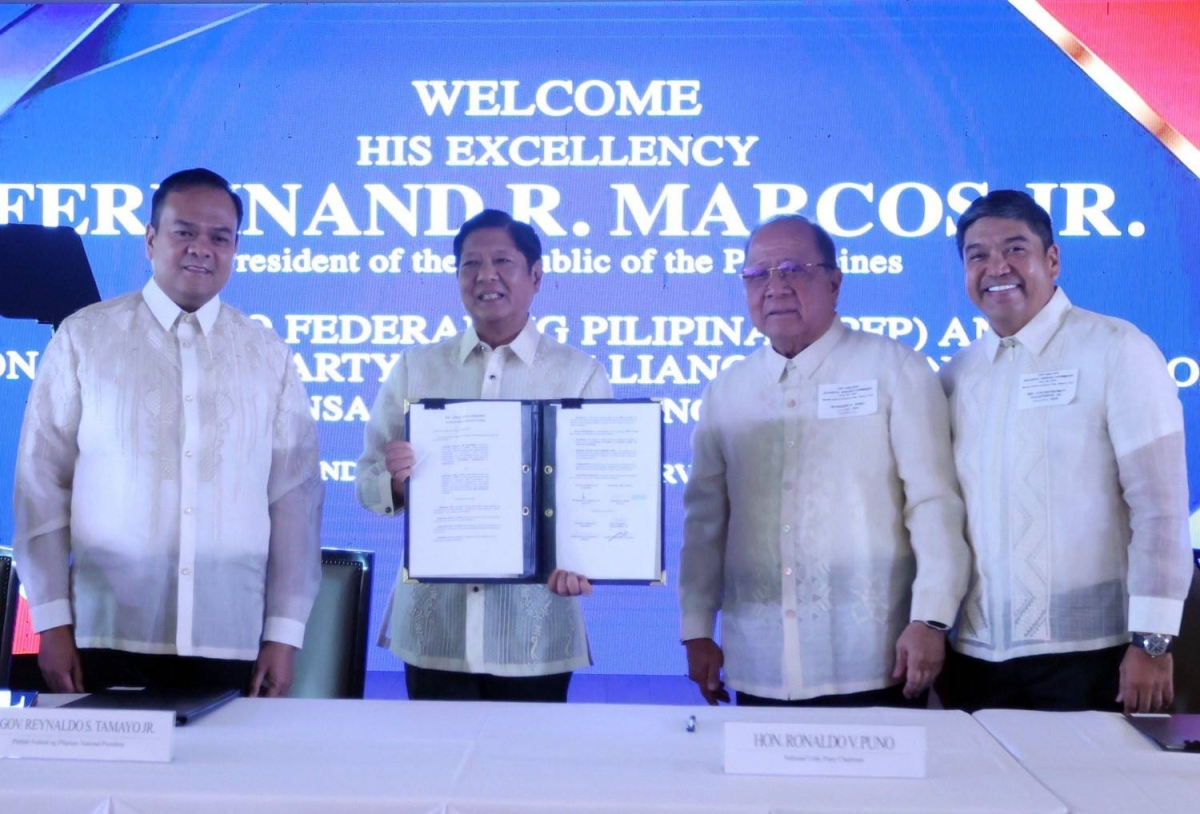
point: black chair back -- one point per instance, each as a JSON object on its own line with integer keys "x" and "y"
{"x": 9, "y": 589}
{"x": 333, "y": 662}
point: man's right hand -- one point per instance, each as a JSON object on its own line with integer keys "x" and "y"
{"x": 705, "y": 661}
{"x": 58, "y": 659}
{"x": 400, "y": 460}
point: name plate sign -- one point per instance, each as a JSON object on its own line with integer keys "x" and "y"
{"x": 825, "y": 750}
{"x": 87, "y": 734}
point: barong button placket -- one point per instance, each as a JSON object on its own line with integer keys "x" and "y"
{"x": 189, "y": 477}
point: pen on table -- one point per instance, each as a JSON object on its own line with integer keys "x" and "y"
{"x": 691, "y": 723}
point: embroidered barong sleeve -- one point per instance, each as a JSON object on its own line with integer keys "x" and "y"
{"x": 933, "y": 509}
{"x": 706, "y": 528}
{"x": 597, "y": 385}
{"x": 1145, "y": 421}
{"x": 373, "y": 482}
{"x": 295, "y": 494}
{"x": 42, "y": 494}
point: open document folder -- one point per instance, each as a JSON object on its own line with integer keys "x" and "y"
{"x": 510, "y": 490}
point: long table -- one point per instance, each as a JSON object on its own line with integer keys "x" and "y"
{"x": 301, "y": 756}
{"x": 1097, "y": 763}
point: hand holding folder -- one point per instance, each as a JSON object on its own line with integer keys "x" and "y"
{"x": 514, "y": 491}
{"x": 568, "y": 583}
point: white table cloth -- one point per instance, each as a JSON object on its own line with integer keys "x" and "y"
{"x": 402, "y": 756}
{"x": 1096, "y": 762}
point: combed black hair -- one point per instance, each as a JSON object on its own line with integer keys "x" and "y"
{"x": 522, "y": 234}
{"x": 186, "y": 179}
{"x": 1011, "y": 204}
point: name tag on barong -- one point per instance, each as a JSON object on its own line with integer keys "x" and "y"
{"x": 1051, "y": 388}
{"x": 848, "y": 400}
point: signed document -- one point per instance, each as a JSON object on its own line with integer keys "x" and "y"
{"x": 608, "y": 478}
{"x": 466, "y": 513}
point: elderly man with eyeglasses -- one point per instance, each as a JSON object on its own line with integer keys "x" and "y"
{"x": 823, "y": 519}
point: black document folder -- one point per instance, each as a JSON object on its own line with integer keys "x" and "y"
{"x": 188, "y": 705}
{"x": 591, "y": 503}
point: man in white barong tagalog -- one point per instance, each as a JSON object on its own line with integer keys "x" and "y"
{"x": 822, "y": 522}
{"x": 1068, "y": 438}
{"x": 168, "y": 497}
{"x": 463, "y": 641}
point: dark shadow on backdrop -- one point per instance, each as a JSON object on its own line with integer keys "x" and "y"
{"x": 44, "y": 273}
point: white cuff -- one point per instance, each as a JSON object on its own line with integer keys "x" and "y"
{"x": 1153, "y": 614}
{"x": 931, "y": 607}
{"x": 51, "y": 614}
{"x": 697, "y": 626}
{"x": 284, "y": 630}
{"x": 386, "y": 504}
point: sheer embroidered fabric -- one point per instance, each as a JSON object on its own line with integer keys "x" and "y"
{"x": 1077, "y": 511}
{"x": 507, "y": 630}
{"x": 819, "y": 539}
{"x": 172, "y": 459}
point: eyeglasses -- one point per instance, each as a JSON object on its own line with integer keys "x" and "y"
{"x": 790, "y": 273}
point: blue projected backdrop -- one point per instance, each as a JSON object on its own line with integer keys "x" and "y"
{"x": 643, "y": 141}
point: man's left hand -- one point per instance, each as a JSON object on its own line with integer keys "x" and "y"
{"x": 920, "y": 653}
{"x": 568, "y": 583}
{"x": 273, "y": 671}
{"x": 1147, "y": 685}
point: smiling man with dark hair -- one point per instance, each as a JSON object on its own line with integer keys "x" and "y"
{"x": 482, "y": 642}
{"x": 1068, "y": 439}
{"x": 168, "y": 499}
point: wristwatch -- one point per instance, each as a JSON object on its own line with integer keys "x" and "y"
{"x": 1155, "y": 644}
